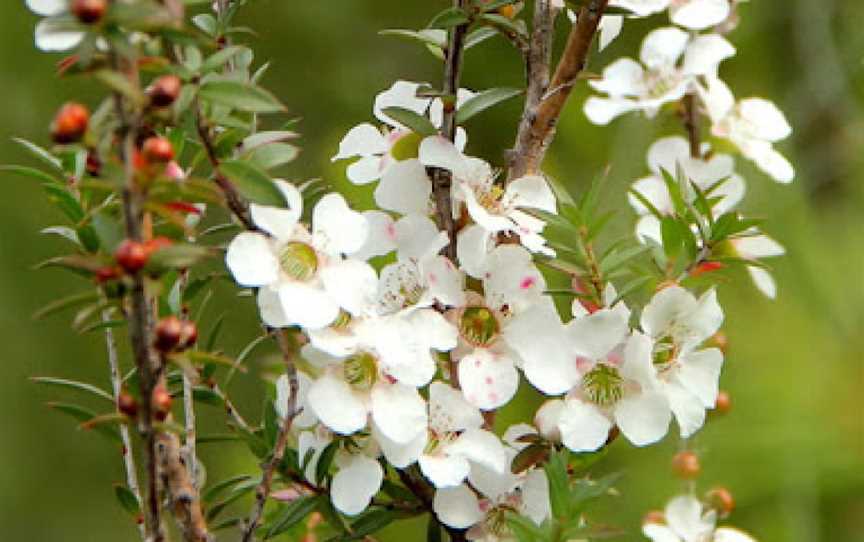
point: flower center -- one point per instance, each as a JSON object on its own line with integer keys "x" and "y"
{"x": 361, "y": 371}
{"x": 659, "y": 83}
{"x": 490, "y": 198}
{"x": 401, "y": 287}
{"x": 603, "y": 384}
{"x": 341, "y": 322}
{"x": 665, "y": 351}
{"x": 298, "y": 260}
{"x": 478, "y": 325}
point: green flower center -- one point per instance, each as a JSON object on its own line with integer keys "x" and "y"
{"x": 478, "y": 325}
{"x": 298, "y": 260}
{"x": 603, "y": 385}
{"x": 361, "y": 371}
{"x": 665, "y": 351}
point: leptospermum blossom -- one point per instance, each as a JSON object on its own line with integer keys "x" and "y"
{"x": 376, "y": 149}
{"x": 691, "y": 14}
{"x": 669, "y": 154}
{"x": 494, "y": 209}
{"x": 455, "y": 443}
{"x": 687, "y": 521}
{"x": 59, "y": 31}
{"x": 496, "y": 331}
{"x": 662, "y": 77}
{"x": 303, "y": 277}
{"x": 615, "y": 383}
{"x": 751, "y": 124}
{"x": 679, "y": 323}
{"x": 754, "y": 245}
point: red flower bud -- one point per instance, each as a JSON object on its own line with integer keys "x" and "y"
{"x": 721, "y": 500}
{"x": 686, "y": 465}
{"x": 127, "y": 404}
{"x": 169, "y": 333}
{"x": 107, "y": 273}
{"x": 70, "y": 123}
{"x": 508, "y": 11}
{"x": 131, "y": 256}
{"x": 654, "y": 516}
{"x": 164, "y": 90}
{"x": 89, "y": 11}
{"x": 719, "y": 340}
{"x": 161, "y": 403}
{"x": 188, "y": 334}
{"x": 723, "y": 404}
{"x": 706, "y": 267}
{"x": 157, "y": 150}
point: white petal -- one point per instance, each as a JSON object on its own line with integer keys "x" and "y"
{"x": 366, "y": 170}
{"x": 665, "y": 308}
{"x": 717, "y": 97}
{"x": 251, "y": 260}
{"x": 699, "y": 14}
{"x": 399, "y": 411}
{"x": 764, "y": 281}
{"x": 654, "y": 190}
{"x": 684, "y": 516}
{"x": 449, "y": 412}
{"x": 382, "y": 236}
{"x": 758, "y": 246}
{"x": 648, "y": 229}
{"x": 404, "y": 188}
{"x": 765, "y": 120}
{"x": 624, "y": 77}
{"x": 660, "y": 533}
{"x": 699, "y": 372}
{"x": 401, "y": 94}
{"x": 638, "y": 361}
{"x": 309, "y": 441}
{"x": 457, "y": 507}
{"x": 472, "y": 249}
{"x": 444, "y": 470}
{"x": 54, "y": 35}
{"x": 531, "y": 191}
{"x": 338, "y": 228}
{"x": 307, "y": 305}
{"x": 687, "y": 408}
{"x": 437, "y": 151}
{"x": 417, "y": 237}
{"x": 512, "y": 279}
{"x": 610, "y": 28}
{"x": 481, "y": 447}
{"x": 444, "y": 281}
{"x": 361, "y": 140}
{"x": 705, "y": 53}
{"x": 643, "y": 418}
{"x": 355, "y": 484}
{"x": 336, "y": 405}
{"x": 602, "y": 111}
{"x": 663, "y": 47}
{"x": 400, "y": 455}
{"x": 667, "y": 153}
{"x": 728, "y": 534}
{"x": 548, "y": 418}
{"x": 491, "y": 221}
{"x": 583, "y": 427}
{"x": 494, "y": 485}
{"x": 277, "y": 221}
{"x": 48, "y": 8}
{"x": 642, "y": 8}
{"x": 769, "y": 160}
{"x": 352, "y": 283}
{"x": 595, "y": 335}
{"x": 306, "y": 417}
{"x": 270, "y": 308}
{"x": 538, "y": 337}
{"x": 707, "y": 317}
{"x": 489, "y": 380}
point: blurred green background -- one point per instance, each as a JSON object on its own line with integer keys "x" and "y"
{"x": 792, "y": 450}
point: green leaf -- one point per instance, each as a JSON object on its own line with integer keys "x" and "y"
{"x": 253, "y": 184}
{"x": 416, "y": 122}
{"x": 433, "y": 529}
{"x": 325, "y": 460}
{"x": 273, "y": 155}
{"x": 586, "y": 491}
{"x": 448, "y": 18}
{"x": 65, "y": 201}
{"x": 524, "y": 529}
{"x": 178, "y": 256}
{"x": 673, "y": 238}
{"x": 34, "y": 173}
{"x": 202, "y": 394}
{"x": 219, "y": 488}
{"x": 559, "y": 484}
{"x": 371, "y": 522}
{"x": 205, "y": 21}
{"x": 429, "y": 36}
{"x": 483, "y": 101}
{"x": 83, "y": 415}
{"x": 72, "y": 384}
{"x": 293, "y": 514}
{"x": 40, "y": 153}
{"x": 121, "y": 84}
{"x": 58, "y": 305}
{"x": 221, "y": 57}
{"x": 242, "y": 96}
{"x": 261, "y": 139}
{"x": 478, "y": 36}
{"x": 127, "y": 499}
{"x": 631, "y": 287}
{"x": 504, "y": 25}
{"x": 618, "y": 258}
{"x": 237, "y": 492}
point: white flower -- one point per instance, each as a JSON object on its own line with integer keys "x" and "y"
{"x": 754, "y": 245}
{"x": 670, "y": 153}
{"x": 455, "y": 443}
{"x": 609, "y": 28}
{"x": 58, "y": 31}
{"x": 660, "y": 78}
{"x": 679, "y": 323}
{"x": 497, "y": 331}
{"x": 493, "y": 208}
{"x": 303, "y": 277}
{"x": 686, "y": 521}
{"x": 378, "y": 150}
{"x": 692, "y": 14}
{"x": 752, "y": 125}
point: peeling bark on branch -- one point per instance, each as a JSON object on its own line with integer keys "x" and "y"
{"x": 180, "y": 487}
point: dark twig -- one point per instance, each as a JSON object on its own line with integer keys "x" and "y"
{"x": 690, "y": 115}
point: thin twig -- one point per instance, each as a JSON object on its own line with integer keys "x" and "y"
{"x": 189, "y": 442}
{"x": 289, "y": 345}
{"x": 540, "y": 120}
{"x": 690, "y": 115}
{"x": 126, "y": 438}
{"x": 230, "y": 408}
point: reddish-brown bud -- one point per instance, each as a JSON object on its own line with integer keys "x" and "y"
{"x": 127, "y": 404}
{"x": 157, "y": 150}
{"x": 721, "y": 500}
{"x": 107, "y": 273}
{"x": 157, "y": 243}
{"x": 508, "y": 11}
{"x": 723, "y": 404}
{"x": 93, "y": 164}
{"x": 161, "y": 403}
{"x": 169, "y": 333}
{"x": 188, "y": 334}
{"x": 89, "y": 11}
{"x": 70, "y": 123}
{"x": 719, "y": 340}
{"x": 654, "y": 516}
{"x": 165, "y": 90}
{"x": 686, "y": 465}
{"x": 131, "y": 256}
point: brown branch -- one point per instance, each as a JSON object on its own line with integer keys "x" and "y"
{"x": 425, "y": 493}
{"x": 181, "y": 488}
{"x": 540, "y": 120}
{"x": 690, "y": 117}
{"x": 289, "y": 345}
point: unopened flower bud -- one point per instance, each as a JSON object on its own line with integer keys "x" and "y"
{"x": 70, "y": 123}
{"x": 89, "y": 11}
{"x": 161, "y": 403}
{"x": 93, "y": 164}
{"x": 157, "y": 150}
{"x": 107, "y": 273}
{"x": 127, "y": 404}
{"x": 508, "y": 11}
{"x": 165, "y": 90}
{"x": 723, "y": 403}
{"x": 686, "y": 465}
{"x": 188, "y": 334}
{"x": 654, "y": 516}
{"x": 719, "y": 340}
{"x": 169, "y": 333}
{"x": 131, "y": 256}
{"x": 721, "y": 500}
